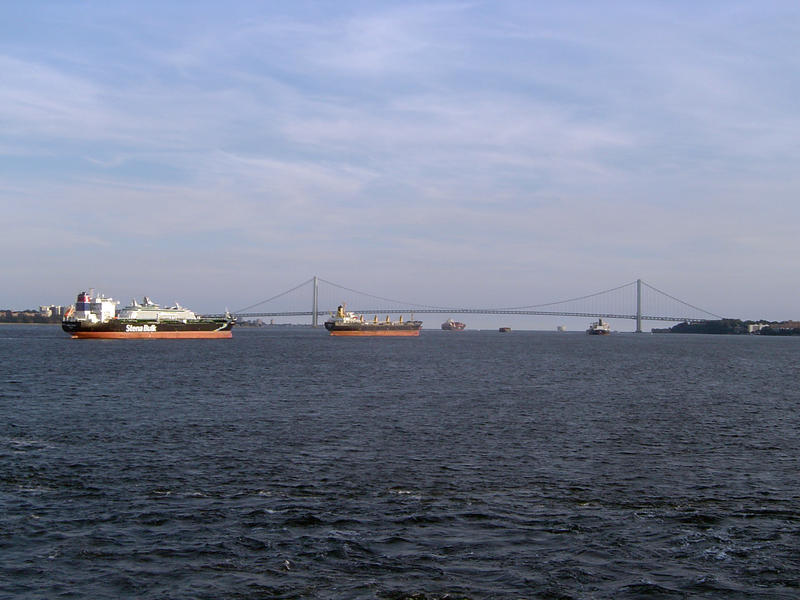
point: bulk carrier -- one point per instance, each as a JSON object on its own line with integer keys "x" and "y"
{"x": 97, "y": 317}
{"x": 348, "y": 323}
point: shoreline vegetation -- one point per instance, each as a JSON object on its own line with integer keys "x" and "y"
{"x": 735, "y": 327}
{"x": 28, "y": 317}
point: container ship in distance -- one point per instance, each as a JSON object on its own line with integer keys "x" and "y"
{"x": 348, "y": 323}
{"x": 97, "y": 317}
{"x": 599, "y": 328}
{"x": 451, "y": 325}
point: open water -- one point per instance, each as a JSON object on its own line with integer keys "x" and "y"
{"x": 284, "y": 463}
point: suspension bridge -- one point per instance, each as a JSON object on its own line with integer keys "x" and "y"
{"x": 637, "y": 301}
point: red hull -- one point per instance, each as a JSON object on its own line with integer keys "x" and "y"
{"x": 386, "y": 333}
{"x": 152, "y": 335}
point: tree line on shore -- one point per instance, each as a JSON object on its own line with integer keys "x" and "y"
{"x": 27, "y": 316}
{"x": 736, "y": 327}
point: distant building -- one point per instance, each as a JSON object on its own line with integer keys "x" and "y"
{"x": 779, "y": 328}
{"x": 51, "y": 311}
{"x": 785, "y": 327}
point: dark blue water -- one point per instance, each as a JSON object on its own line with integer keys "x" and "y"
{"x": 287, "y": 464}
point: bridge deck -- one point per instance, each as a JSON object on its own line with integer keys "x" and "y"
{"x": 472, "y": 311}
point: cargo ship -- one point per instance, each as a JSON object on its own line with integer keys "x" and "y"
{"x": 96, "y": 317}
{"x": 599, "y": 328}
{"x": 451, "y": 325}
{"x": 348, "y": 323}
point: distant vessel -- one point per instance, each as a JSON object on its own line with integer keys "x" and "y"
{"x": 348, "y": 323}
{"x": 599, "y": 328}
{"x": 96, "y": 317}
{"x": 451, "y": 325}
{"x": 505, "y": 330}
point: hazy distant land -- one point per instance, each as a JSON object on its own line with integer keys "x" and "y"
{"x": 47, "y": 315}
{"x": 736, "y": 327}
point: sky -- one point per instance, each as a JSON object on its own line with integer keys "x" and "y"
{"x": 477, "y": 153}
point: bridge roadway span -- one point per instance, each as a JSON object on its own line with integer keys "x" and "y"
{"x": 471, "y": 311}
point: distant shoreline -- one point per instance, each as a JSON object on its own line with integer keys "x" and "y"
{"x": 52, "y": 323}
{"x": 736, "y": 327}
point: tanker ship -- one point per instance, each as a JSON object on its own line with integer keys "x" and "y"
{"x": 96, "y": 317}
{"x": 348, "y": 323}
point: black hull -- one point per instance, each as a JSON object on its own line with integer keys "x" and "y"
{"x": 409, "y": 328}
{"x": 123, "y": 328}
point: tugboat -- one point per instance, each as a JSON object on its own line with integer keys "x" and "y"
{"x": 96, "y": 317}
{"x": 599, "y": 328}
{"x": 348, "y": 323}
{"x": 451, "y": 325}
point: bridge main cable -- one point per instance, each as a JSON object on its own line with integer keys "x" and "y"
{"x": 341, "y": 287}
{"x": 702, "y": 310}
{"x": 241, "y": 310}
{"x": 464, "y": 311}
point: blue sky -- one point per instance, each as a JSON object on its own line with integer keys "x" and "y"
{"x": 485, "y": 153}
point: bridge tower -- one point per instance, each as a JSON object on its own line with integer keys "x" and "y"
{"x": 315, "y": 303}
{"x": 638, "y": 306}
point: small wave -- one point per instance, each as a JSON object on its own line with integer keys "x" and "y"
{"x": 424, "y": 519}
{"x": 307, "y": 520}
{"x": 411, "y": 494}
{"x": 703, "y": 520}
{"x": 26, "y": 445}
{"x": 251, "y": 543}
{"x": 649, "y": 590}
{"x": 36, "y": 489}
{"x": 717, "y": 553}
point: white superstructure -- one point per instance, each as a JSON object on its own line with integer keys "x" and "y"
{"x": 99, "y": 309}
{"x": 599, "y": 328}
{"x": 95, "y": 309}
{"x": 150, "y": 311}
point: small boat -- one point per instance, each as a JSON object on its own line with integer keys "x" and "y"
{"x": 599, "y": 328}
{"x": 505, "y": 330}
